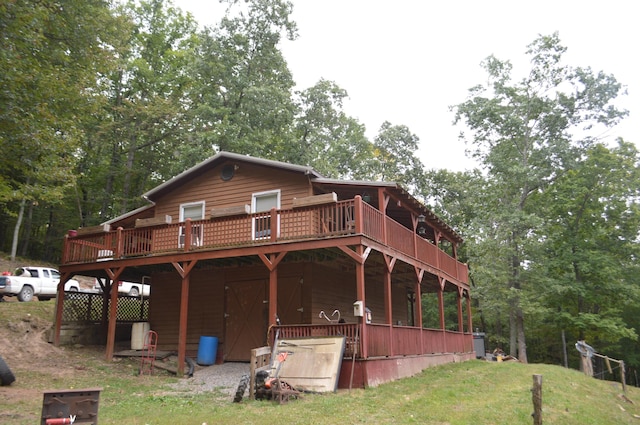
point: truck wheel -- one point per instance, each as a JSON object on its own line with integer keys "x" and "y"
{"x": 26, "y": 293}
{"x": 6, "y": 376}
{"x": 134, "y": 292}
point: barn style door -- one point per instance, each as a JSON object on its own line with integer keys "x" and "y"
{"x": 290, "y": 309}
{"x": 246, "y": 322}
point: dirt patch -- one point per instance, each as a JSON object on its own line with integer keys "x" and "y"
{"x": 24, "y": 347}
{"x": 24, "y": 340}
{"x": 37, "y": 365}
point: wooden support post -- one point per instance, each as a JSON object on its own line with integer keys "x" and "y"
{"x": 273, "y": 295}
{"x": 388, "y": 305}
{"x": 360, "y": 293}
{"x": 469, "y": 315}
{"x": 417, "y": 313}
{"x": 182, "y": 324}
{"x": 537, "y": 399}
{"x": 114, "y": 275}
{"x": 460, "y": 315}
{"x": 273, "y": 224}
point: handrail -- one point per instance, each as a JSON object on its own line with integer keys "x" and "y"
{"x": 338, "y": 219}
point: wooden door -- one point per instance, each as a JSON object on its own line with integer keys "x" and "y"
{"x": 246, "y": 321}
{"x": 290, "y": 301}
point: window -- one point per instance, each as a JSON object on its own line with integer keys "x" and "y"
{"x": 264, "y": 202}
{"x": 193, "y": 211}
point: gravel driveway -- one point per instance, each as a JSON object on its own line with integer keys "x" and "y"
{"x": 223, "y": 378}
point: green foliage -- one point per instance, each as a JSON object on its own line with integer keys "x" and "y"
{"x": 326, "y": 137}
{"x": 394, "y": 156}
{"x": 590, "y": 244}
{"x": 242, "y": 96}
{"x": 102, "y": 101}
{"x": 50, "y": 53}
{"x": 528, "y": 134}
{"x": 141, "y": 111}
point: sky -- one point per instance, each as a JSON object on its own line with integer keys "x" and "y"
{"x": 408, "y": 61}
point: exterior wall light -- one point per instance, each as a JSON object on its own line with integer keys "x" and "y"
{"x": 421, "y": 227}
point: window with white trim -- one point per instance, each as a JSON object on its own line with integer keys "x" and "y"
{"x": 193, "y": 211}
{"x": 264, "y": 202}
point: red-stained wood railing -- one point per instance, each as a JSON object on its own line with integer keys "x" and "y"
{"x": 308, "y": 223}
{"x": 407, "y": 341}
{"x": 349, "y": 330}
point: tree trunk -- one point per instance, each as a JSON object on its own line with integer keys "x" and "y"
{"x": 50, "y": 250}
{"x": 27, "y": 232}
{"x": 513, "y": 331}
{"x": 522, "y": 342}
{"x": 16, "y": 230}
{"x": 128, "y": 171}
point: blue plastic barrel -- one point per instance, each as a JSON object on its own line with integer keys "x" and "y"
{"x": 207, "y": 350}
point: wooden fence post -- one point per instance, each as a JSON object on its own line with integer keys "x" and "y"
{"x": 537, "y": 399}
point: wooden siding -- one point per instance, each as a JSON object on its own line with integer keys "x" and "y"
{"x": 336, "y": 290}
{"x": 332, "y": 290}
{"x": 207, "y": 302}
{"x": 248, "y": 179}
{"x": 206, "y": 295}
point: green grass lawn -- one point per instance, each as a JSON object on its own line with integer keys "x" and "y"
{"x": 474, "y": 392}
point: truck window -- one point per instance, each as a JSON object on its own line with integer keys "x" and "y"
{"x": 45, "y": 273}
{"x": 55, "y": 274}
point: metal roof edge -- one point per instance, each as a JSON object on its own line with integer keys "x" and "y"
{"x": 130, "y": 213}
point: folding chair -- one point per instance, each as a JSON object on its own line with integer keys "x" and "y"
{"x": 148, "y": 353}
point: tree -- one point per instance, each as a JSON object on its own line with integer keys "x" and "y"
{"x": 242, "y": 102}
{"x": 50, "y": 53}
{"x": 141, "y": 119}
{"x": 326, "y": 137}
{"x": 590, "y": 251}
{"x": 394, "y": 152}
{"x": 525, "y": 135}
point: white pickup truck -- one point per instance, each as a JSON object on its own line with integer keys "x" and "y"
{"x": 29, "y": 281}
{"x": 133, "y": 289}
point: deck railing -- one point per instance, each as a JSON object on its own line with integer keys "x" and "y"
{"x": 381, "y": 342}
{"x": 297, "y": 224}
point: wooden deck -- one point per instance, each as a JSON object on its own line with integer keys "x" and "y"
{"x": 242, "y": 230}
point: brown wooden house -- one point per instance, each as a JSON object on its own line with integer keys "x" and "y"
{"x": 235, "y": 243}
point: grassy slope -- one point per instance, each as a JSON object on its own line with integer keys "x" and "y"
{"x": 474, "y": 392}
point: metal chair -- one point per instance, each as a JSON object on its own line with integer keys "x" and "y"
{"x": 148, "y": 353}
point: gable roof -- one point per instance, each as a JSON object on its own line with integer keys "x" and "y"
{"x": 218, "y": 159}
{"x": 327, "y": 184}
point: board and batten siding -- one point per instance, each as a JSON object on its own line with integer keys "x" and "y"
{"x": 206, "y": 295}
{"x": 332, "y": 290}
{"x": 247, "y": 180}
{"x": 207, "y": 301}
{"x": 336, "y": 290}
